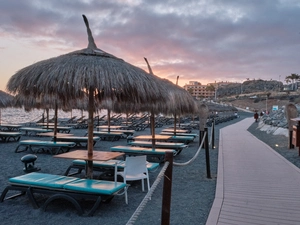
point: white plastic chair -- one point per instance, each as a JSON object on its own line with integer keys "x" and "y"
{"x": 135, "y": 169}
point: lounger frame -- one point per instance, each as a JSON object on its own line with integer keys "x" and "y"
{"x": 72, "y": 196}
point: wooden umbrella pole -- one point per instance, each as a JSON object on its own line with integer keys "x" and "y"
{"x": 89, "y": 172}
{"x": 108, "y": 120}
{"x": 152, "y": 123}
{"x": 55, "y": 122}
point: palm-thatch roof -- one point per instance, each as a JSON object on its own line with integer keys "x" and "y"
{"x": 66, "y": 76}
{"x": 90, "y": 70}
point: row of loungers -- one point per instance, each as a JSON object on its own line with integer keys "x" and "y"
{"x": 63, "y": 187}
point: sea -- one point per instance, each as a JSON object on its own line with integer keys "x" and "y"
{"x": 20, "y": 116}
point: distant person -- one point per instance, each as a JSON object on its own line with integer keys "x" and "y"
{"x": 261, "y": 114}
{"x": 256, "y": 116}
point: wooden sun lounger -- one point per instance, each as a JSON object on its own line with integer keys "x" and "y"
{"x": 10, "y": 136}
{"x": 102, "y": 166}
{"x": 166, "y": 145}
{"x": 77, "y": 139}
{"x": 63, "y": 187}
{"x": 36, "y": 146}
{"x": 29, "y": 131}
{"x": 158, "y": 153}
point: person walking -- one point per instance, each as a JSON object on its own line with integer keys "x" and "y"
{"x": 256, "y": 116}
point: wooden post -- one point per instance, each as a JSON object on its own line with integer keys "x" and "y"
{"x": 203, "y": 114}
{"x": 90, "y": 144}
{"x": 207, "y": 154}
{"x": 290, "y": 113}
{"x": 167, "y": 190}
{"x": 213, "y": 133}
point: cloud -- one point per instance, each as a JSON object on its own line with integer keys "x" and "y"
{"x": 198, "y": 40}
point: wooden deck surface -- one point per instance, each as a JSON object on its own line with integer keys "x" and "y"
{"x": 255, "y": 185}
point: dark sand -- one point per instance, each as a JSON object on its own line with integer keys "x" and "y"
{"x": 192, "y": 192}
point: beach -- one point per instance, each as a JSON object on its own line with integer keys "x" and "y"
{"x": 192, "y": 192}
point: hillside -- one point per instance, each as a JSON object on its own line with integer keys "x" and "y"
{"x": 259, "y": 101}
{"x": 257, "y": 95}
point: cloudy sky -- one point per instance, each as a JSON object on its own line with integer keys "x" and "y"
{"x": 197, "y": 40}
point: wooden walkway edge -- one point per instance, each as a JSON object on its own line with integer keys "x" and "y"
{"x": 255, "y": 184}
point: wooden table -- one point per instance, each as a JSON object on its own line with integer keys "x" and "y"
{"x": 83, "y": 155}
{"x": 177, "y": 130}
{"x": 158, "y": 137}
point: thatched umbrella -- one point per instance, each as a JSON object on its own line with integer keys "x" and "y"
{"x": 91, "y": 70}
{"x": 6, "y": 100}
{"x": 179, "y": 102}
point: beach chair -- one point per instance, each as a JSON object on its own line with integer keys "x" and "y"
{"x": 51, "y": 147}
{"x": 80, "y": 141}
{"x": 135, "y": 169}
{"x": 103, "y": 166}
{"x": 56, "y": 187}
{"x": 10, "y": 136}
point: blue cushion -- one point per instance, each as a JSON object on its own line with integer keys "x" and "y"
{"x": 95, "y": 186}
{"x": 42, "y": 180}
{"x": 111, "y": 163}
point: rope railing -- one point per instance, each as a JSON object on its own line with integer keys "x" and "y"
{"x": 195, "y": 156}
{"x": 161, "y": 175}
{"x": 142, "y": 205}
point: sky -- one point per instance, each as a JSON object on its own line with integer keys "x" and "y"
{"x": 203, "y": 40}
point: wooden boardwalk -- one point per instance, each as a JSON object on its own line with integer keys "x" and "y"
{"x": 255, "y": 185}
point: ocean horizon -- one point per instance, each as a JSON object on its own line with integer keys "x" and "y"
{"x": 20, "y": 116}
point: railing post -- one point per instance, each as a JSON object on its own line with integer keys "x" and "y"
{"x": 167, "y": 190}
{"x": 213, "y": 134}
{"x": 207, "y": 154}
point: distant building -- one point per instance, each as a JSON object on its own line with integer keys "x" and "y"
{"x": 198, "y": 90}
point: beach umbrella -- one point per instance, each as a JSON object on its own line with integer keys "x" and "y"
{"x": 93, "y": 71}
{"x": 6, "y": 100}
{"x": 179, "y": 102}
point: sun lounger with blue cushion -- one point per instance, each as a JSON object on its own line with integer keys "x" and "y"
{"x": 52, "y": 147}
{"x": 180, "y": 134}
{"x": 59, "y": 129}
{"x": 125, "y": 132}
{"x": 63, "y": 187}
{"x": 157, "y": 153}
{"x": 34, "y": 130}
{"x": 109, "y": 136}
{"x": 184, "y": 139}
{"x": 77, "y": 139}
{"x": 10, "y": 136}
{"x": 103, "y": 166}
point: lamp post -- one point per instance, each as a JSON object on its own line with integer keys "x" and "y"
{"x": 267, "y": 104}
